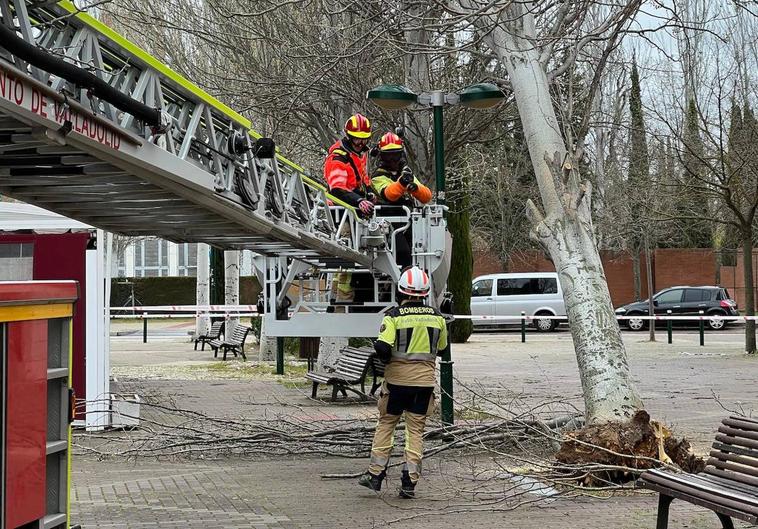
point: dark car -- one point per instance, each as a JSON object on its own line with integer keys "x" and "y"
{"x": 682, "y": 301}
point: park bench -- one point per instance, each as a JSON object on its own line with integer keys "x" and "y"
{"x": 729, "y": 483}
{"x": 234, "y": 342}
{"x": 352, "y": 368}
{"x": 214, "y": 334}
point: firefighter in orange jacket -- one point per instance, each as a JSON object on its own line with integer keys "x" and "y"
{"x": 393, "y": 179}
{"x": 345, "y": 169}
{"x": 396, "y": 185}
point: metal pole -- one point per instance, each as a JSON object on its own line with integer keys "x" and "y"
{"x": 279, "y": 355}
{"x": 446, "y": 365}
{"x": 438, "y": 102}
{"x": 523, "y": 326}
{"x": 144, "y": 327}
{"x": 669, "y": 326}
{"x": 702, "y": 329}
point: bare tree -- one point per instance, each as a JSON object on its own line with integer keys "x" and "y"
{"x": 525, "y": 36}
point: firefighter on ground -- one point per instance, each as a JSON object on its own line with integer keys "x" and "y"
{"x": 411, "y": 337}
{"x": 394, "y": 182}
{"x": 346, "y": 175}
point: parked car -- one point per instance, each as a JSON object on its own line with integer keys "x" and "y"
{"x": 682, "y": 301}
{"x": 535, "y": 293}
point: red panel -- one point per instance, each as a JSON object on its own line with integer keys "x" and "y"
{"x": 62, "y": 256}
{"x": 15, "y": 292}
{"x": 26, "y": 422}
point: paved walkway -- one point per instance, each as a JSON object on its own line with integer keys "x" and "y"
{"x": 677, "y": 383}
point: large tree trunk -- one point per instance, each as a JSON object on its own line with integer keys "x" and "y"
{"x": 203, "y": 288}
{"x": 232, "y": 285}
{"x": 566, "y": 232}
{"x": 747, "y": 260}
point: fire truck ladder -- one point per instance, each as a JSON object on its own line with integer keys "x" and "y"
{"x": 94, "y": 128}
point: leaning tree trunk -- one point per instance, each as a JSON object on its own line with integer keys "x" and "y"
{"x": 565, "y": 230}
{"x": 747, "y": 260}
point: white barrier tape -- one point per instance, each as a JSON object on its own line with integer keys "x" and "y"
{"x": 181, "y": 316}
{"x": 252, "y": 310}
{"x": 618, "y": 317}
{"x": 189, "y": 308}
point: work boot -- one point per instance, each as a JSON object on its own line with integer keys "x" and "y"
{"x": 371, "y": 481}
{"x": 407, "y": 487}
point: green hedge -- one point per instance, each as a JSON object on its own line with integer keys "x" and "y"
{"x": 151, "y": 291}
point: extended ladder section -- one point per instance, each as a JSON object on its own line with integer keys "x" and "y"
{"x": 94, "y": 128}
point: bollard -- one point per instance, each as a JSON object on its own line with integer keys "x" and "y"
{"x": 523, "y": 326}
{"x": 669, "y": 325}
{"x": 702, "y": 330}
{"x": 447, "y": 409}
{"x": 144, "y": 327}
{"x": 280, "y": 355}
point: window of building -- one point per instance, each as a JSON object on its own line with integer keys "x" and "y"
{"x": 16, "y": 261}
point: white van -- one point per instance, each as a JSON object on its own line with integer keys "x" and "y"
{"x": 535, "y": 293}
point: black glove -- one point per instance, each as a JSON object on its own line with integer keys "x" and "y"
{"x": 406, "y": 177}
{"x": 413, "y": 186}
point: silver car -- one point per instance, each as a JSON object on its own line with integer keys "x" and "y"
{"x": 535, "y": 293}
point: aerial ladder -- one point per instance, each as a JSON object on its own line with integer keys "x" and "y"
{"x": 96, "y": 129}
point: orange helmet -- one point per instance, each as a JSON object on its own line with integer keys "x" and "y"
{"x": 358, "y": 126}
{"x": 390, "y": 142}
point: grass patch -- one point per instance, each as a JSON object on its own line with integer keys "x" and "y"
{"x": 294, "y": 372}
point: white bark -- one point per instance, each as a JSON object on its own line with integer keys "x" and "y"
{"x": 329, "y": 351}
{"x": 565, "y": 229}
{"x": 203, "y": 289}
{"x": 232, "y": 285}
{"x": 267, "y": 347}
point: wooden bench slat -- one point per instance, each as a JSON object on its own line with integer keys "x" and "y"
{"x": 727, "y": 484}
{"x": 734, "y": 476}
{"x": 733, "y": 463}
{"x": 750, "y": 456}
{"x": 742, "y": 424}
{"x": 730, "y": 440}
{"x": 746, "y": 419}
{"x": 738, "y": 433}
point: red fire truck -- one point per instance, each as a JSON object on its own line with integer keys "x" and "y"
{"x": 37, "y": 402}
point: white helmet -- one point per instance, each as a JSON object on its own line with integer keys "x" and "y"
{"x": 414, "y": 282}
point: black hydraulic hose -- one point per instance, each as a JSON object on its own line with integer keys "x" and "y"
{"x": 82, "y": 78}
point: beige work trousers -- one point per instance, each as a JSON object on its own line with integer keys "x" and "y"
{"x": 384, "y": 438}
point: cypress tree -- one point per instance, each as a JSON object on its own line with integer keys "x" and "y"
{"x": 462, "y": 260}
{"x": 693, "y": 202}
{"x": 639, "y": 174}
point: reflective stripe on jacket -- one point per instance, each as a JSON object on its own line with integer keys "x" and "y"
{"x": 345, "y": 169}
{"x": 386, "y": 185}
{"x": 415, "y": 332}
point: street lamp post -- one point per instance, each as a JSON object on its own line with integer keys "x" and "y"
{"x": 396, "y": 97}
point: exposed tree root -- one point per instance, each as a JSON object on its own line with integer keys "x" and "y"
{"x": 634, "y": 445}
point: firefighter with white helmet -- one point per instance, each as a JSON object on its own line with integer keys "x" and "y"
{"x": 412, "y": 335}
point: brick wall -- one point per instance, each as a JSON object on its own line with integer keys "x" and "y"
{"x": 671, "y": 266}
